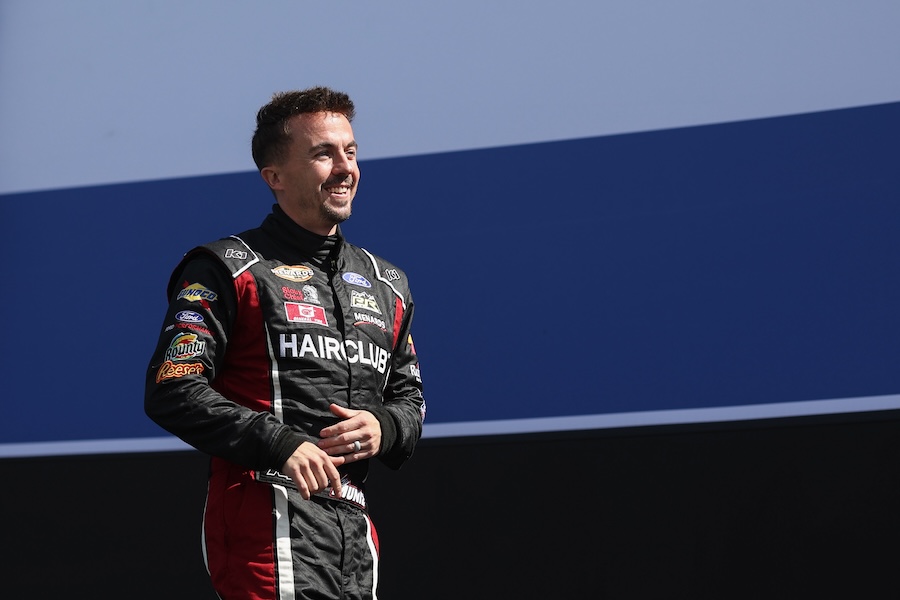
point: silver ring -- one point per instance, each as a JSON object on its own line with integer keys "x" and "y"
{"x": 357, "y": 446}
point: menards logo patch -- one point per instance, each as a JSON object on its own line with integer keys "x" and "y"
{"x": 293, "y": 272}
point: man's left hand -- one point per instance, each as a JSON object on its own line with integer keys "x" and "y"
{"x": 356, "y": 426}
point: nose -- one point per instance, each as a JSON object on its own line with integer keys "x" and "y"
{"x": 342, "y": 164}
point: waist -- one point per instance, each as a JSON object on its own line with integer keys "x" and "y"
{"x": 350, "y": 493}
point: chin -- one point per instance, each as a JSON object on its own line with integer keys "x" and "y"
{"x": 338, "y": 216}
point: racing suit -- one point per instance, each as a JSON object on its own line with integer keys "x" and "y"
{"x": 264, "y": 331}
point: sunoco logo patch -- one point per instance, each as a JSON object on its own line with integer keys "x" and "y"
{"x": 196, "y": 292}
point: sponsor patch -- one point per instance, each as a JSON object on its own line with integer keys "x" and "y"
{"x": 416, "y": 372}
{"x": 329, "y": 348}
{"x": 189, "y": 316}
{"x": 170, "y": 370}
{"x": 367, "y": 319}
{"x": 391, "y": 274}
{"x": 185, "y": 345}
{"x": 297, "y": 312}
{"x": 311, "y": 293}
{"x": 410, "y": 342}
{"x": 356, "y": 279}
{"x": 349, "y": 492}
{"x": 197, "y": 293}
{"x": 294, "y": 272}
{"x": 292, "y": 294}
{"x": 364, "y": 300}
{"x": 191, "y": 326}
{"x": 232, "y": 253}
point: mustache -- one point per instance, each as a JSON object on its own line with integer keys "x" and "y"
{"x": 346, "y": 180}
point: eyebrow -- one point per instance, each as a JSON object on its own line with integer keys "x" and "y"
{"x": 329, "y": 145}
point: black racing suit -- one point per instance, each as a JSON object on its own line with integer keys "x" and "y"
{"x": 264, "y": 331}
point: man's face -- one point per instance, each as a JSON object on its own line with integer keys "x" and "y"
{"x": 316, "y": 182}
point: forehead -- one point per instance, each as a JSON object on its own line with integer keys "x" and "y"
{"x": 313, "y": 129}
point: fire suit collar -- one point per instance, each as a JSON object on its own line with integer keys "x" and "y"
{"x": 319, "y": 248}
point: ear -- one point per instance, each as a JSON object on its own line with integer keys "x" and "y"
{"x": 270, "y": 176}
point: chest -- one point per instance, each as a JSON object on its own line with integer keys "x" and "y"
{"x": 313, "y": 310}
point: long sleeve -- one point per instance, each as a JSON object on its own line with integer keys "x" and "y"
{"x": 403, "y": 399}
{"x": 181, "y": 395}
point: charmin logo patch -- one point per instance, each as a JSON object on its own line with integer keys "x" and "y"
{"x": 363, "y": 300}
{"x": 356, "y": 279}
{"x": 297, "y": 312}
{"x": 189, "y": 316}
{"x": 196, "y": 293}
{"x": 184, "y": 346}
{"x": 293, "y": 272}
{"x": 170, "y": 370}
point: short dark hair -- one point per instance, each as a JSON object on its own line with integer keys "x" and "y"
{"x": 273, "y": 135}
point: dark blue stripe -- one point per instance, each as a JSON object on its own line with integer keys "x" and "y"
{"x": 743, "y": 263}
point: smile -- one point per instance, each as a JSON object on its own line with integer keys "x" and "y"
{"x": 342, "y": 188}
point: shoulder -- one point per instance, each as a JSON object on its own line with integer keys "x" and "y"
{"x": 231, "y": 255}
{"x": 376, "y": 266}
{"x": 234, "y": 252}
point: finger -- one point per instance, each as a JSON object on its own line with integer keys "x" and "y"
{"x": 334, "y": 445}
{"x": 302, "y": 487}
{"x": 339, "y": 411}
{"x": 343, "y": 427}
{"x": 322, "y": 479}
{"x": 335, "y": 481}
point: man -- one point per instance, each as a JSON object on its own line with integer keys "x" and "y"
{"x": 286, "y": 355}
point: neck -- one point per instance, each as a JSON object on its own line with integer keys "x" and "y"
{"x": 317, "y": 226}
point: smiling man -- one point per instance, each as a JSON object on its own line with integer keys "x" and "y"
{"x": 300, "y": 369}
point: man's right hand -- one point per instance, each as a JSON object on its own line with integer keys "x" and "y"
{"x": 312, "y": 470}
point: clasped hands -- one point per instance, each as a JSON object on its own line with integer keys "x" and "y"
{"x": 313, "y": 467}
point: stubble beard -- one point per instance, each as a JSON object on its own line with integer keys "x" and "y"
{"x": 333, "y": 216}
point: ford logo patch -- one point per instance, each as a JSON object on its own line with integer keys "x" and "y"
{"x": 356, "y": 279}
{"x": 189, "y": 316}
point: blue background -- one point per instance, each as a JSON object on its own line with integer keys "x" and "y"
{"x": 719, "y": 265}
